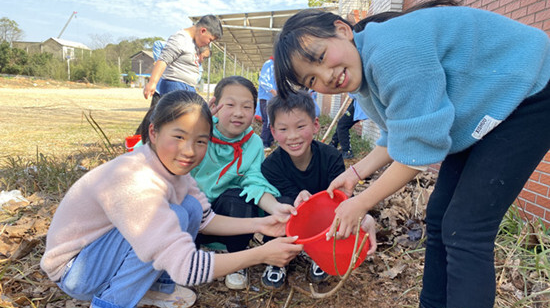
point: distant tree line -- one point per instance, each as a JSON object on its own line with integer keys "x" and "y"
{"x": 103, "y": 66}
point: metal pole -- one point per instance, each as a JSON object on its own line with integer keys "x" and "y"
{"x": 224, "y": 58}
{"x": 208, "y": 81}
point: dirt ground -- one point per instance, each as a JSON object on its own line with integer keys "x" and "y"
{"x": 47, "y": 116}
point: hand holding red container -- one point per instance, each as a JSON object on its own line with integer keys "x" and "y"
{"x": 311, "y": 225}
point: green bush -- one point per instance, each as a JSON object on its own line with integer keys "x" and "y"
{"x": 12, "y": 60}
{"x": 95, "y": 69}
{"x": 45, "y": 65}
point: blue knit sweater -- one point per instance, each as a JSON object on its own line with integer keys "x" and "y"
{"x": 436, "y": 80}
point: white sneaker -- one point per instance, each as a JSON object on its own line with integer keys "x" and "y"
{"x": 237, "y": 280}
{"x": 182, "y": 297}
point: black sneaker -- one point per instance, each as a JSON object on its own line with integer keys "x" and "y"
{"x": 316, "y": 274}
{"x": 347, "y": 155}
{"x": 273, "y": 277}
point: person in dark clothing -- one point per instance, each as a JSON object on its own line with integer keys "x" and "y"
{"x": 301, "y": 166}
{"x": 352, "y": 115}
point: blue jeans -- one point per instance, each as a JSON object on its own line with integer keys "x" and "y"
{"x": 109, "y": 273}
{"x": 166, "y": 86}
{"x": 474, "y": 190}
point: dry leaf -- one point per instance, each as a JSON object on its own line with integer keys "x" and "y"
{"x": 394, "y": 271}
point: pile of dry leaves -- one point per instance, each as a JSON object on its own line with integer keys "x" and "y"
{"x": 392, "y": 278}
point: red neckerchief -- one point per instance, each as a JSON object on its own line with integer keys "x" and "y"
{"x": 237, "y": 152}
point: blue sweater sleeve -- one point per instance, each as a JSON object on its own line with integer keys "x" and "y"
{"x": 419, "y": 114}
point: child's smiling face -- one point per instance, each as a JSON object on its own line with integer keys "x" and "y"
{"x": 294, "y": 131}
{"x": 181, "y": 144}
{"x": 337, "y": 68}
{"x": 237, "y": 112}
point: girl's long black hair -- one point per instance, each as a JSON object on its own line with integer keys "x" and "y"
{"x": 173, "y": 105}
{"x": 309, "y": 23}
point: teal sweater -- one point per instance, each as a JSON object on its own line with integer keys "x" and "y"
{"x": 437, "y": 79}
{"x": 252, "y": 182}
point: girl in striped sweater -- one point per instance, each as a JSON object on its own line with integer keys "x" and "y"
{"x": 126, "y": 229}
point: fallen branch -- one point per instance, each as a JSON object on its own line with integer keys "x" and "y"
{"x": 336, "y": 117}
{"x": 355, "y": 257}
{"x": 353, "y": 262}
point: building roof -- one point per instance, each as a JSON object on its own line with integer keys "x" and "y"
{"x": 69, "y": 43}
{"x": 146, "y": 52}
{"x": 250, "y": 36}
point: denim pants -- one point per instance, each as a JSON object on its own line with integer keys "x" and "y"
{"x": 109, "y": 273}
{"x": 473, "y": 191}
{"x": 167, "y": 86}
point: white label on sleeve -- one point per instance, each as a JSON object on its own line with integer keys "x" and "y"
{"x": 485, "y": 126}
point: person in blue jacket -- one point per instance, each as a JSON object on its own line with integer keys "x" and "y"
{"x": 464, "y": 87}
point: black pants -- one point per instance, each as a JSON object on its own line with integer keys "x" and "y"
{"x": 231, "y": 204}
{"x": 474, "y": 190}
{"x": 345, "y": 123}
{"x": 266, "y": 136}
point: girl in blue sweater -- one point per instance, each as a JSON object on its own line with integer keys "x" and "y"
{"x": 459, "y": 86}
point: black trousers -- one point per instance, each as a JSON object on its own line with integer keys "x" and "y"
{"x": 474, "y": 190}
{"x": 345, "y": 123}
{"x": 266, "y": 136}
{"x": 231, "y": 204}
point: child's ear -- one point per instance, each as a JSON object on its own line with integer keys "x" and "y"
{"x": 316, "y": 126}
{"x": 152, "y": 134}
{"x": 343, "y": 30}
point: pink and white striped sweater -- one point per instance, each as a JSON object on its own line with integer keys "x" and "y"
{"x": 131, "y": 193}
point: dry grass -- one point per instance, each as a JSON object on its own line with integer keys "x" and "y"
{"x": 51, "y": 121}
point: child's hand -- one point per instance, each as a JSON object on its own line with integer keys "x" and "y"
{"x": 345, "y": 182}
{"x": 273, "y": 225}
{"x": 348, "y": 213}
{"x": 284, "y": 210}
{"x": 213, "y": 107}
{"x": 280, "y": 251}
{"x": 302, "y": 197}
{"x": 369, "y": 226}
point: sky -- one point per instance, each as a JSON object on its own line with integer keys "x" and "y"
{"x": 98, "y": 22}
